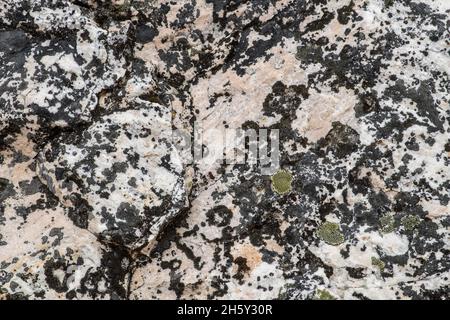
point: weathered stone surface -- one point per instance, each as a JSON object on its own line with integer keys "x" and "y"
{"x": 43, "y": 254}
{"x": 121, "y": 177}
{"x": 96, "y": 202}
{"x": 55, "y": 65}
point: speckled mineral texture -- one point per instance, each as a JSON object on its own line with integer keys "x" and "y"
{"x": 96, "y": 202}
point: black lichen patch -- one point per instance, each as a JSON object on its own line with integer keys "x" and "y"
{"x": 342, "y": 140}
{"x": 6, "y": 189}
{"x": 219, "y": 216}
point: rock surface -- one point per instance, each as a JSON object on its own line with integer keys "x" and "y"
{"x": 97, "y": 200}
{"x": 120, "y": 178}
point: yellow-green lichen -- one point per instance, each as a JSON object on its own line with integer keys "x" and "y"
{"x": 410, "y": 222}
{"x": 330, "y": 233}
{"x": 283, "y": 293}
{"x": 378, "y": 263}
{"x": 282, "y": 182}
{"x": 324, "y": 295}
{"x": 387, "y": 224}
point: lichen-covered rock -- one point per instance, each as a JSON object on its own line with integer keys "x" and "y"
{"x": 98, "y": 202}
{"x": 121, "y": 177}
{"x": 53, "y": 259}
{"x": 43, "y": 254}
{"x": 56, "y": 64}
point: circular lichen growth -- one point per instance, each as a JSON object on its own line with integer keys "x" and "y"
{"x": 378, "y": 263}
{"x": 324, "y": 295}
{"x": 387, "y": 224}
{"x": 282, "y": 181}
{"x": 410, "y": 222}
{"x": 330, "y": 233}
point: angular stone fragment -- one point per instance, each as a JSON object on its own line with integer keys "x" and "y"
{"x": 50, "y": 258}
{"x": 120, "y": 178}
{"x": 51, "y": 78}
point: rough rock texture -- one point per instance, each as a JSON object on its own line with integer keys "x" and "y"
{"x": 96, "y": 202}
{"x": 120, "y": 178}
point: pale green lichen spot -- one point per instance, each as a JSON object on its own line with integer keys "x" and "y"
{"x": 378, "y": 263}
{"x": 330, "y": 233}
{"x": 410, "y": 222}
{"x": 387, "y": 224}
{"x": 282, "y": 181}
{"x": 324, "y": 295}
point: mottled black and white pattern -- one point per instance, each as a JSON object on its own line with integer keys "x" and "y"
{"x": 96, "y": 201}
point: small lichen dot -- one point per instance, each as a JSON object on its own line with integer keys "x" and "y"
{"x": 410, "y": 222}
{"x": 324, "y": 295}
{"x": 330, "y": 233}
{"x": 387, "y": 224}
{"x": 282, "y": 182}
{"x": 378, "y": 263}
